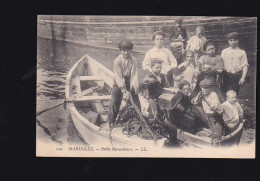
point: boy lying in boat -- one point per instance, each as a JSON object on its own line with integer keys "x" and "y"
{"x": 152, "y": 86}
{"x": 126, "y": 80}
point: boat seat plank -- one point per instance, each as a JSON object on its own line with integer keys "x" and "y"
{"x": 92, "y": 98}
{"x": 97, "y": 105}
{"x": 87, "y": 78}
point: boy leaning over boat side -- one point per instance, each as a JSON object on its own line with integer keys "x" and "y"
{"x": 232, "y": 112}
{"x": 152, "y": 86}
{"x": 211, "y": 107}
{"x": 165, "y": 54}
{"x": 126, "y": 80}
{"x": 235, "y": 64}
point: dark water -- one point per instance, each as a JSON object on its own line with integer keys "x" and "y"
{"x": 54, "y": 60}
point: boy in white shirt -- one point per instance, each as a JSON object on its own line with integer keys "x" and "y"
{"x": 196, "y": 43}
{"x": 232, "y": 111}
{"x": 158, "y": 51}
{"x": 211, "y": 107}
{"x": 235, "y": 65}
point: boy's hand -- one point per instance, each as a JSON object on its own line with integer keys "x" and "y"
{"x": 127, "y": 94}
{"x": 242, "y": 81}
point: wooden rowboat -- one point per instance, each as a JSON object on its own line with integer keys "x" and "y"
{"x": 88, "y": 71}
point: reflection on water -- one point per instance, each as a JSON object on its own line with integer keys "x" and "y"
{"x": 51, "y": 74}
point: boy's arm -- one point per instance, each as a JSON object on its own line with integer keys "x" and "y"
{"x": 119, "y": 75}
{"x": 197, "y": 99}
{"x": 220, "y": 64}
{"x": 241, "y": 111}
{"x": 134, "y": 76}
{"x": 172, "y": 60}
{"x": 214, "y": 102}
{"x": 245, "y": 68}
{"x": 146, "y": 62}
{"x": 165, "y": 82}
{"x": 188, "y": 44}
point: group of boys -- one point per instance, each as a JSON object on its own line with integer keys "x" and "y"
{"x": 200, "y": 74}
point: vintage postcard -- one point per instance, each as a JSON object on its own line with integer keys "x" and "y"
{"x": 146, "y": 86}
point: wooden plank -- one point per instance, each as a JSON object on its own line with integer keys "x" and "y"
{"x": 92, "y": 98}
{"x": 87, "y": 78}
{"x": 97, "y": 105}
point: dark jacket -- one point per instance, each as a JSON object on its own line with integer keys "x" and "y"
{"x": 155, "y": 88}
{"x": 175, "y": 33}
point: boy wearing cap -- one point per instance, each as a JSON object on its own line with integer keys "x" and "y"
{"x": 158, "y": 51}
{"x": 153, "y": 84}
{"x": 211, "y": 107}
{"x": 126, "y": 80}
{"x": 211, "y": 66}
{"x": 232, "y": 111}
{"x": 179, "y": 38}
{"x": 235, "y": 64}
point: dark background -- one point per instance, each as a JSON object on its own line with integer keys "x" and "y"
{"x": 18, "y": 46}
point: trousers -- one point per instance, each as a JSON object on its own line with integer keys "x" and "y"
{"x": 116, "y": 99}
{"x": 231, "y": 81}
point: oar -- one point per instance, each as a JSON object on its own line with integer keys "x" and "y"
{"x": 85, "y": 92}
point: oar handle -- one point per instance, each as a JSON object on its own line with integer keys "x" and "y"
{"x": 47, "y": 109}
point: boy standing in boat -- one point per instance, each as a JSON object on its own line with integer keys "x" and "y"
{"x": 169, "y": 61}
{"x": 153, "y": 85}
{"x": 235, "y": 64}
{"x": 196, "y": 43}
{"x": 126, "y": 81}
{"x": 211, "y": 67}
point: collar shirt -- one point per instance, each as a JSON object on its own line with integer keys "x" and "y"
{"x": 165, "y": 54}
{"x": 196, "y": 43}
{"x": 126, "y": 68}
{"x": 234, "y": 59}
{"x": 231, "y": 113}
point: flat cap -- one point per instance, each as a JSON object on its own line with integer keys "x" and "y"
{"x": 233, "y": 35}
{"x": 206, "y": 83}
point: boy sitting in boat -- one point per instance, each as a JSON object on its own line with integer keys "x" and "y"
{"x": 232, "y": 112}
{"x": 152, "y": 86}
{"x": 187, "y": 70}
{"x": 211, "y": 107}
{"x": 126, "y": 80}
{"x": 165, "y": 54}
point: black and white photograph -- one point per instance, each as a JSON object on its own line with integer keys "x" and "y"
{"x": 146, "y": 86}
